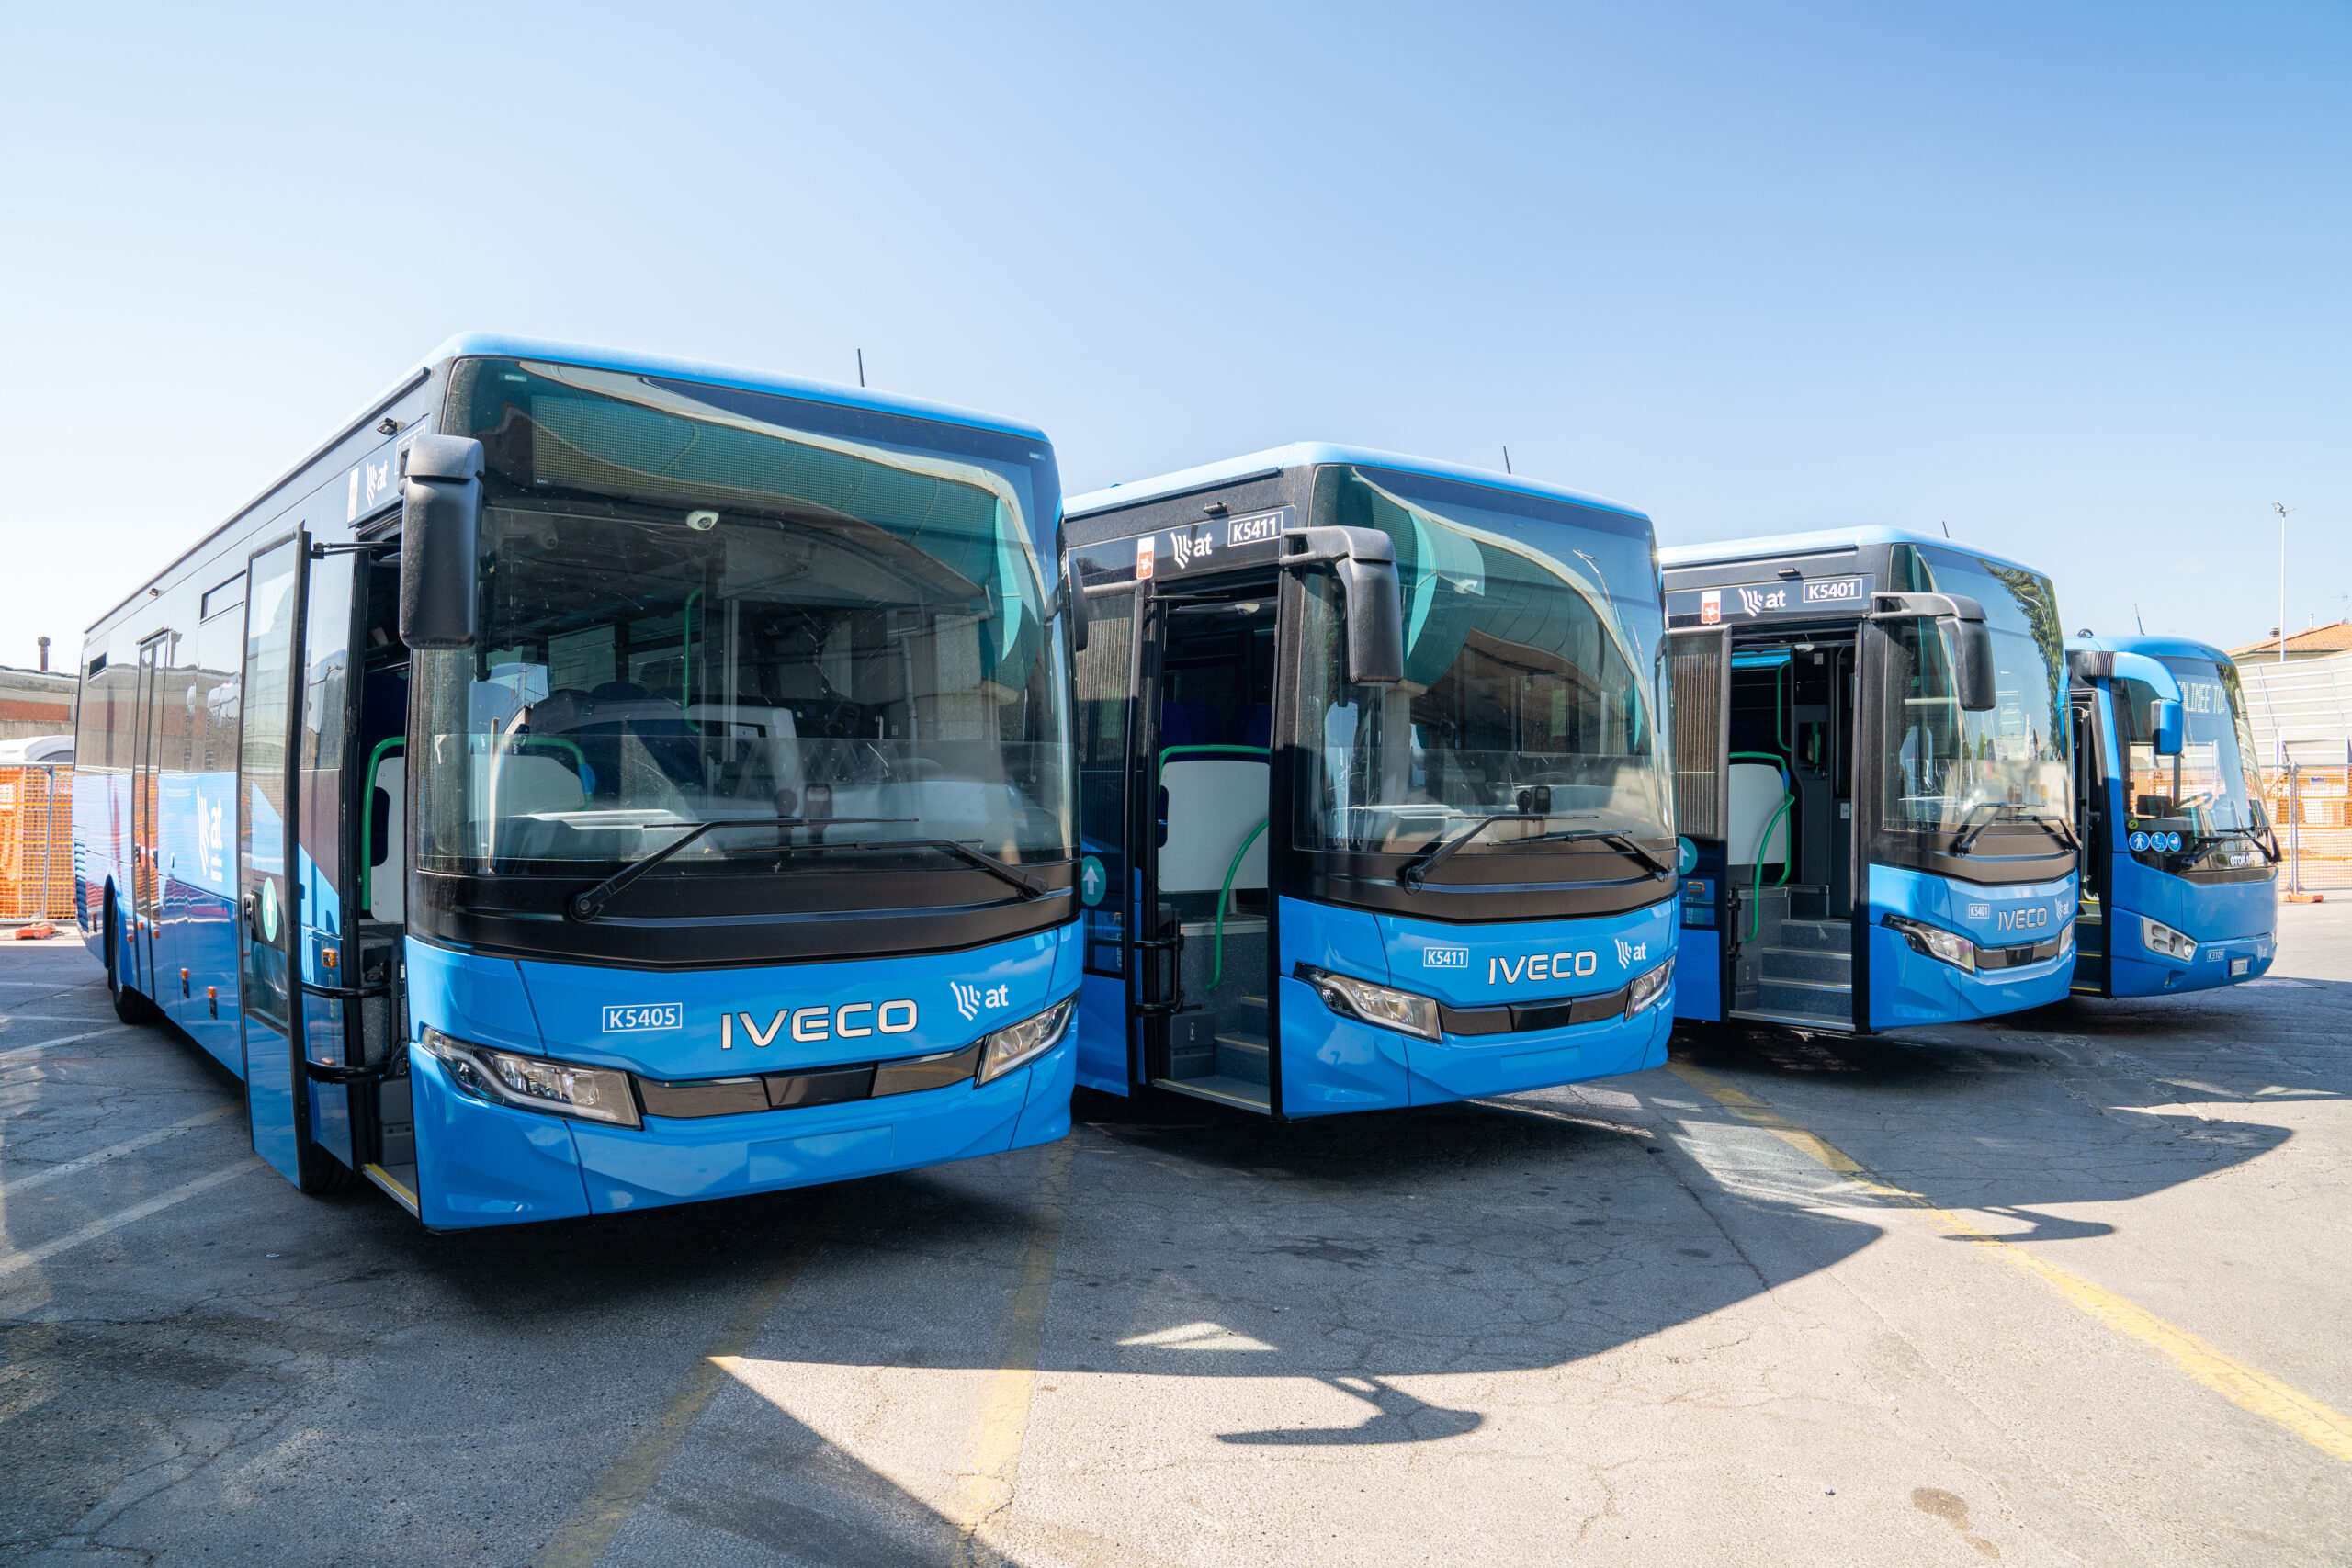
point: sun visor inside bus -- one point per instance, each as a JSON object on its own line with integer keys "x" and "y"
{"x": 440, "y": 541}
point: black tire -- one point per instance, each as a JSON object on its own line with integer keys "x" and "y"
{"x": 130, "y": 1006}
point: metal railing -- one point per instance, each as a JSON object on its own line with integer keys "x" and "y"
{"x": 36, "y": 841}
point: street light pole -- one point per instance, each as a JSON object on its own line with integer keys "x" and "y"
{"x": 2281, "y": 508}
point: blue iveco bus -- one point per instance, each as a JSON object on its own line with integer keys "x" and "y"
{"x": 591, "y": 780}
{"x": 2179, "y": 861}
{"x": 1872, "y": 744}
{"x": 1374, "y": 793}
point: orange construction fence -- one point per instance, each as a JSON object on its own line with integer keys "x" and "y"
{"x": 36, "y": 841}
{"x": 2311, "y": 804}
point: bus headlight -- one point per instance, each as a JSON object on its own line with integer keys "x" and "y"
{"x": 1383, "y": 1006}
{"x": 2161, "y": 939}
{"x": 1026, "y": 1042}
{"x": 1934, "y": 941}
{"x": 535, "y": 1083}
{"x": 1647, "y": 988}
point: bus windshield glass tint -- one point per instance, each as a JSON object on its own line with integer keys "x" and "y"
{"x": 1946, "y": 768}
{"x": 699, "y": 605}
{"x": 2215, "y": 786}
{"x": 1532, "y": 638}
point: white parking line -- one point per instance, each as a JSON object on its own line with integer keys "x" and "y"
{"x": 12, "y": 1261}
{"x": 72, "y": 1167}
{"x": 14, "y": 1054}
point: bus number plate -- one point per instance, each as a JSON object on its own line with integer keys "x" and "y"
{"x": 645, "y": 1015}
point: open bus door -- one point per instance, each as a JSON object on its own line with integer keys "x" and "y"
{"x": 1177, "y": 805}
{"x": 141, "y": 968}
{"x": 2091, "y": 832}
{"x": 1699, "y": 701}
{"x": 292, "y": 864}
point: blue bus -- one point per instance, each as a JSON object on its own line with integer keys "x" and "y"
{"x": 1374, "y": 794}
{"x": 591, "y": 780}
{"x": 2179, "y": 861}
{"x": 1871, "y": 749}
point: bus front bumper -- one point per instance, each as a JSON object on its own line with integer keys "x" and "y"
{"x": 480, "y": 1164}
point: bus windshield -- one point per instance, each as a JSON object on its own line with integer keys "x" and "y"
{"x": 699, "y": 605}
{"x": 2215, "y": 786}
{"x": 1946, "y": 769}
{"x": 1532, "y": 636}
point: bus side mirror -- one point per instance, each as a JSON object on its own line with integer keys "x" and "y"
{"x": 1972, "y": 666}
{"x": 2164, "y": 717}
{"x": 1376, "y": 606}
{"x": 440, "y": 541}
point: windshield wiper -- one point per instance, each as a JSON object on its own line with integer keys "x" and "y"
{"x": 589, "y": 905}
{"x": 1029, "y": 887}
{"x": 1416, "y": 872}
{"x": 2002, "y": 812}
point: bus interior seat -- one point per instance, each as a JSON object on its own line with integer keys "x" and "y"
{"x": 1256, "y": 724}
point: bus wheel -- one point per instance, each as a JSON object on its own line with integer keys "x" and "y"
{"x": 129, "y": 1005}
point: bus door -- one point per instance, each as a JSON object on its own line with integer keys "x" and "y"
{"x": 2090, "y": 830}
{"x": 267, "y": 888}
{"x": 1177, "y": 810}
{"x": 1699, "y": 692}
{"x": 146, "y": 798}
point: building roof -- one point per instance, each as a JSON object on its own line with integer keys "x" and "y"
{"x": 2312, "y": 642}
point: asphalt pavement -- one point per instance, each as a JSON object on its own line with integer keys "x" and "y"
{"x": 2067, "y": 1288}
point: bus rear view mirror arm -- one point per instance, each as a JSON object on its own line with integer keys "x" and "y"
{"x": 1365, "y": 562}
{"x": 440, "y": 541}
{"x": 1972, "y": 641}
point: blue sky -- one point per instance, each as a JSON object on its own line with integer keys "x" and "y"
{"x": 2073, "y": 280}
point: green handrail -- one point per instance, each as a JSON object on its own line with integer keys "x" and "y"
{"x": 1224, "y": 896}
{"x": 367, "y": 820}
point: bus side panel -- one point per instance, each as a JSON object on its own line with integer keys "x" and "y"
{"x": 1103, "y": 1049}
{"x": 2229, "y": 921}
{"x": 1908, "y": 988}
{"x": 101, "y": 805}
{"x": 1699, "y": 977}
{"x": 198, "y": 828}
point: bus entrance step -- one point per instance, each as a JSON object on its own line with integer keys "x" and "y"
{"x": 1808, "y": 998}
{"x": 1820, "y": 936}
{"x": 1795, "y": 963}
{"x": 1223, "y": 1090}
{"x": 1244, "y": 1057}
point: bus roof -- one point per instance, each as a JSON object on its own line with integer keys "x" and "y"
{"x": 2152, "y": 646}
{"x": 479, "y": 345}
{"x": 1308, "y": 454}
{"x": 1723, "y": 551}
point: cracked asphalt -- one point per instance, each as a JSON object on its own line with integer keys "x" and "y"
{"x": 1785, "y": 1300}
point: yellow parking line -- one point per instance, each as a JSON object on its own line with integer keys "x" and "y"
{"x": 992, "y": 1457}
{"x": 582, "y": 1537}
{"x": 2249, "y": 1388}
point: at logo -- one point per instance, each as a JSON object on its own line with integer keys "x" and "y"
{"x": 850, "y": 1020}
{"x": 1631, "y": 952}
{"x": 971, "y": 999}
{"x": 1756, "y": 600}
{"x": 1185, "y": 546}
